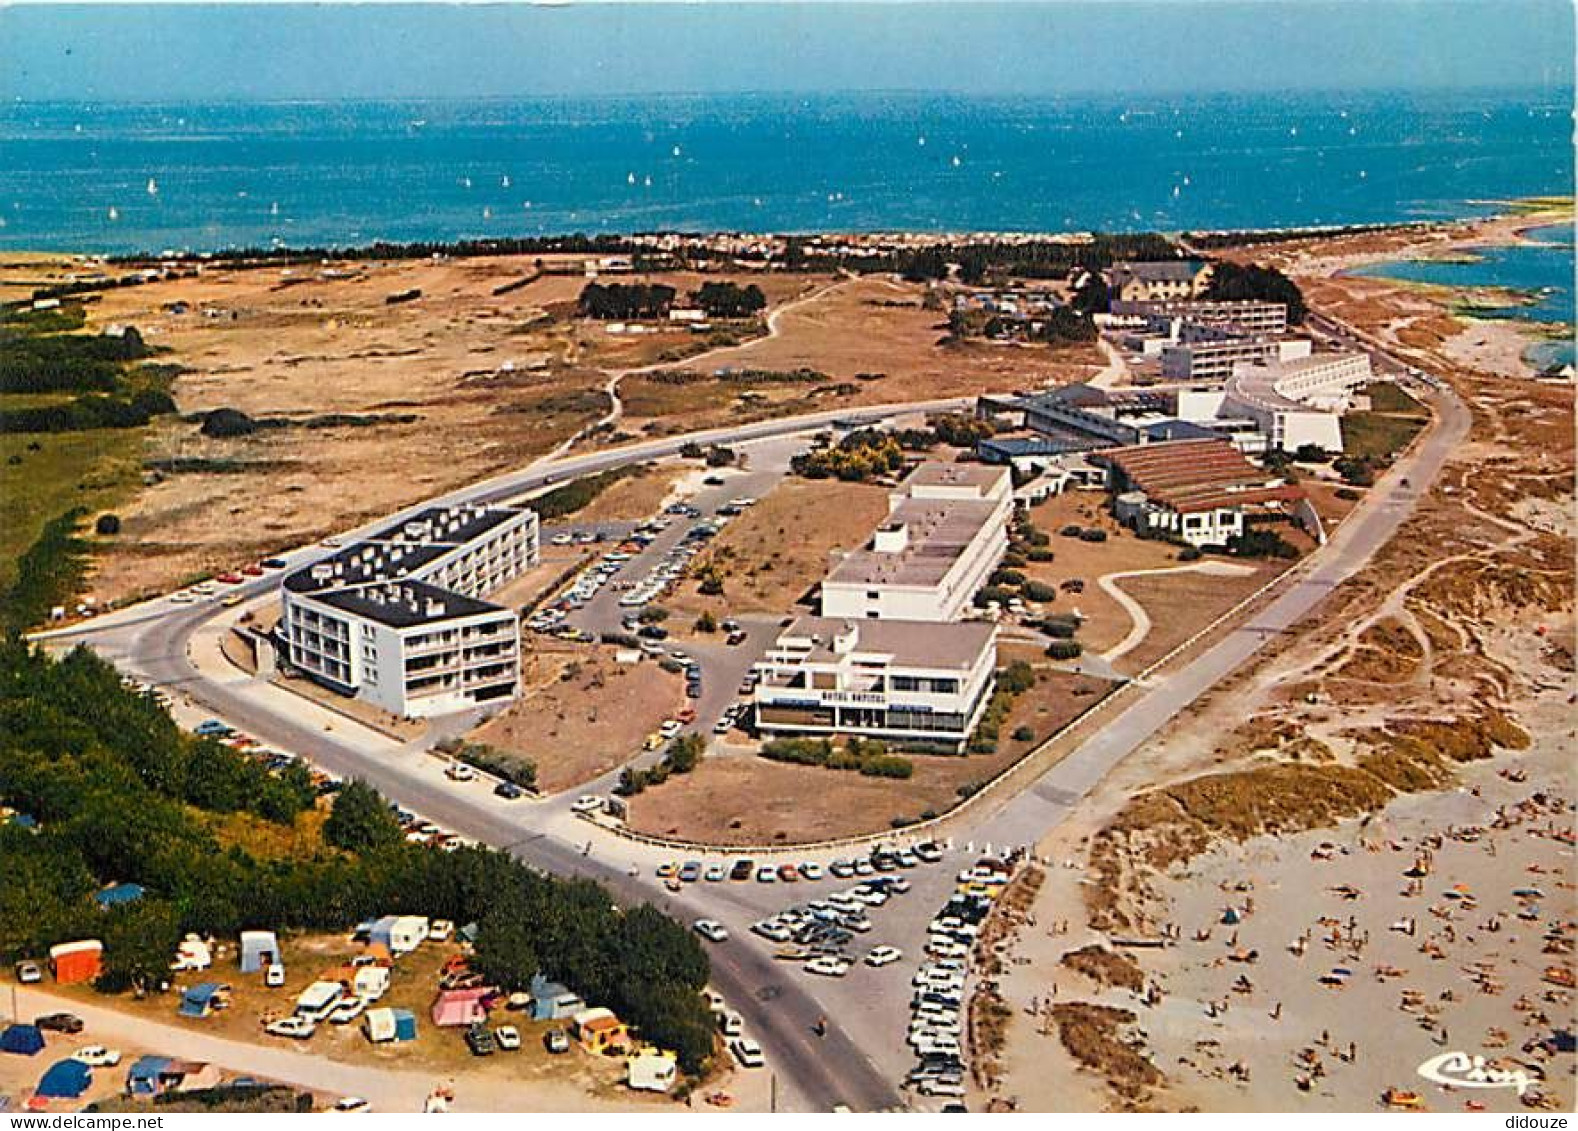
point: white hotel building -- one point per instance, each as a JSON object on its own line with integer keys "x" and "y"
{"x": 890, "y": 656}
{"x": 398, "y": 620}
{"x": 946, "y": 530}
{"x": 906, "y": 681}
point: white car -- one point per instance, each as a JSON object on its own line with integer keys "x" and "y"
{"x": 587, "y": 803}
{"x": 274, "y": 975}
{"x": 352, "y": 1105}
{"x": 773, "y": 932}
{"x": 348, "y": 1012}
{"x": 883, "y": 955}
{"x": 299, "y": 1028}
{"x": 97, "y": 1056}
{"x": 827, "y": 966}
{"x": 712, "y": 930}
{"x": 747, "y": 1052}
{"x": 508, "y": 1037}
{"x": 439, "y": 930}
{"x": 459, "y": 771}
{"x": 810, "y": 871}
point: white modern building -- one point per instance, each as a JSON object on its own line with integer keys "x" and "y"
{"x": 896, "y": 680}
{"x": 946, "y": 530}
{"x": 1290, "y": 403}
{"x": 1211, "y": 353}
{"x": 399, "y": 619}
{"x": 1247, "y": 316}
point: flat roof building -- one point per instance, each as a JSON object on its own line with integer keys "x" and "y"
{"x": 399, "y": 619}
{"x": 889, "y": 679}
{"x": 946, "y": 530}
{"x": 1211, "y": 353}
{"x": 1245, "y": 316}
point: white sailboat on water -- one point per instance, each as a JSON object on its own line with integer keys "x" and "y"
{"x": 153, "y": 187}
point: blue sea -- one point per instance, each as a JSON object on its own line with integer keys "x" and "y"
{"x": 127, "y": 178}
{"x": 1540, "y": 270}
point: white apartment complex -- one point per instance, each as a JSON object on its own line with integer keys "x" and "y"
{"x": 398, "y": 619}
{"x": 1211, "y": 353}
{"x": 946, "y": 530}
{"x": 890, "y": 679}
{"x": 1247, "y": 316}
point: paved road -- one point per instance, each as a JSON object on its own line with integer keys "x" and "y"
{"x": 780, "y": 1007}
{"x": 153, "y": 640}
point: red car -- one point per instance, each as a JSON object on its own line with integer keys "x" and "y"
{"x": 788, "y": 873}
{"x": 253, "y": 571}
{"x": 229, "y": 578}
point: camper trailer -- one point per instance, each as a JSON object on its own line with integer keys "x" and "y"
{"x": 319, "y": 1000}
{"x": 75, "y": 962}
{"x": 652, "y": 1071}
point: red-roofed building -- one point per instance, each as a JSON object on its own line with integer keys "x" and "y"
{"x": 1200, "y": 491}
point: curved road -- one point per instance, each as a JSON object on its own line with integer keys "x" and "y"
{"x": 819, "y": 1073}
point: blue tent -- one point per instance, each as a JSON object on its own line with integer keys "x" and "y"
{"x": 24, "y": 1040}
{"x": 117, "y": 894}
{"x": 65, "y": 1080}
{"x": 142, "y": 1079}
{"x": 202, "y": 999}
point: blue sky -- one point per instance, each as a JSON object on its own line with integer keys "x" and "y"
{"x": 168, "y": 52}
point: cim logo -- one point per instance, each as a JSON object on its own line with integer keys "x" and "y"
{"x": 1462, "y": 1070}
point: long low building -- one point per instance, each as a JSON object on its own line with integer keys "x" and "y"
{"x": 1202, "y": 492}
{"x": 1247, "y": 316}
{"x": 946, "y": 530}
{"x": 1212, "y": 353}
{"x": 1291, "y": 403}
{"x": 890, "y": 679}
{"x": 399, "y": 619}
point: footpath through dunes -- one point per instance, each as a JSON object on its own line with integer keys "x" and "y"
{"x": 1402, "y": 760}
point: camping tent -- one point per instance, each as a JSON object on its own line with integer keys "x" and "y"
{"x": 460, "y": 1007}
{"x": 65, "y": 1080}
{"x": 145, "y": 1077}
{"x": 117, "y": 894}
{"x": 382, "y": 1025}
{"x": 258, "y": 949}
{"x": 202, "y": 999}
{"x": 23, "y": 1040}
{"x": 79, "y": 961}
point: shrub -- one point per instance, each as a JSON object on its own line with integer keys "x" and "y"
{"x": 706, "y": 623}
{"x": 1064, "y": 649}
{"x": 1091, "y": 534}
{"x": 1024, "y": 734}
{"x": 1190, "y": 554}
{"x": 991, "y": 593}
{"x": 1007, "y": 577}
{"x": 108, "y": 525}
{"x": 1038, "y": 591}
{"x": 222, "y": 422}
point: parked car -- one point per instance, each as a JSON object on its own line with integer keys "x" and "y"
{"x": 351, "y": 1105}
{"x": 747, "y": 1052}
{"x": 811, "y": 871}
{"x": 691, "y": 872}
{"x": 587, "y": 803}
{"x": 274, "y": 975}
{"x": 97, "y": 1056}
{"x": 716, "y": 872}
{"x": 29, "y": 972}
{"x": 509, "y": 791}
{"x": 348, "y": 1012}
{"x": 507, "y": 1037}
{"x": 479, "y": 1039}
{"x": 459, "y": 771}
{"x": 556, "y": 1041}
{"x": 742, "y": 870}
{"x": 883, "y": 955}
{"x": 297, "y": 1028}
{"x": 766, "y": 874}
{"x": 59, "y": 1023}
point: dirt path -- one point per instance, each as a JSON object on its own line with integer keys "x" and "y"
{"x": 616, "y": 407}
{"x": 1142, "y": 620}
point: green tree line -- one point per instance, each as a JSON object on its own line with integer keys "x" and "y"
{"x": 120, "y": 794}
